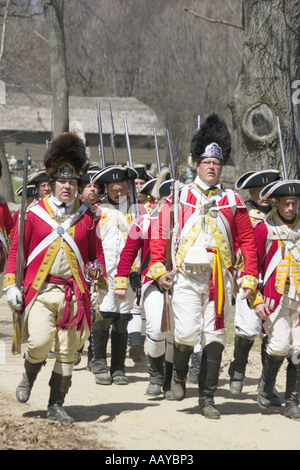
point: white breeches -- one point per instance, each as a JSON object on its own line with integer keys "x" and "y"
{"x": 283, "y": 328}
{"x": 137, "y": 323}
{"x": 158, "y": 343}
{"x": 110, "y": 303}
{"x": 246, "y": 322}
{"x": 194, "y": 314}
{"x": 46, "y": 311}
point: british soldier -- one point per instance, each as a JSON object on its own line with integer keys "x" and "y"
{"x": 247, "y": 324}
{"x": 60, "y": 239}
{"x": 117, "y": 216}
{"x": 210, "y": 218}
{"x": 277, "y": 302}
{"x": 159, "y": 343}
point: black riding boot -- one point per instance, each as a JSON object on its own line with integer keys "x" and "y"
{"x": 271, "y": 366}
{"x": 181, "y": 357}
{"x": 99, "y": 338}
{"x": 119, "y": 337}
{"x": 194, "y": 368}
{"x": 59, "y": 387}
{"x": 208, "y": 378}
{"x": 156, "y": 372}
{"x": 275, "y": 400}
{"x": 292, "y": 390}
{"x": 168, "y": 366}
{"x": 25, "y": 386}
{"x": 135, "y": 343}
{"x": 237, "y": 368}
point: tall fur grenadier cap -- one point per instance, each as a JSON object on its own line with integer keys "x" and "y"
{"x": 66, "y": 157}
{"x": 212, "y": 140}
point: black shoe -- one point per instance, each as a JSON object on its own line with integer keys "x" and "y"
{"x": 209, "y": 411}
{"x": 178, "y": 389}
{"x": 57, "y": 413}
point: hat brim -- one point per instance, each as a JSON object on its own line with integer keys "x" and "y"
{"x": 257, "y": 179}
{"x": 114, "y": 174}
{"x": 30, "y": 191}
{"x": 38, "y": 177}
{"x": 283, "y": 188}
{"x": 165, "y": 188}
{"x": 147, "y": 188}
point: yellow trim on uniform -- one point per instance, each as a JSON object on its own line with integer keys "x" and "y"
{"x": 120, "y": 282}
{"x": 156, "y": 270}
{"x": 9, "y": 280}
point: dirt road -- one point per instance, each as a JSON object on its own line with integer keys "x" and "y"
{"x": 124, "y": 418}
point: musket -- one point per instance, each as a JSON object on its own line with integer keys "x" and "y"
{"x": 101, "y": 145}
{"x": 133, "y": 191}
{"x": 112, "y": 137}
{"x": 165, "y": 322}
{"x": 285, "y": 173}
{"x": 199, "y": 122}
{"x": 51, "y": 134}
{"x": 16, "y": 339}
{"x": 156, "y": 150}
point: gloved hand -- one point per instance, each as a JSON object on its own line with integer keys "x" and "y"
{"x": 14, "y": 297}
{"x": 93, "y": 299}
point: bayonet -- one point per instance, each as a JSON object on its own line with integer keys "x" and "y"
{"x": 157, "y": 151}
{"x": 133, "y": 186}
{"x": 112, "y": 137}
{"x": 101, "y": 145}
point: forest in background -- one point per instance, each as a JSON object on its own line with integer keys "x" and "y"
{"x": 179, "y": 64}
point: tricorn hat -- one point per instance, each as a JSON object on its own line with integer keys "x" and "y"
{"x": 142, "y": 173}
{"x": 66, "y": 157}
{"x": 147, "y": 187}
{"x": 38, "y": 177}
{"x": 165, "y": 188}
{"x": 257, "y": 179}
{"x": 87, "y": 178}
{"x": 211, "y": 140}
{"x": 282, "y": 188}
{"x": 30, "y": 191}
{"x": 114, "y": 174}
{"x": 163, "y": 176}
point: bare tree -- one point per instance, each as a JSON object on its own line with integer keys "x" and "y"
{"x": 54, "y": 14}
{"x": 264, "y": 89}
{"x": 5, "y": 181}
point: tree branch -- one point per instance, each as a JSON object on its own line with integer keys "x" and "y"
{"x": 211, "y": 20}
{"x": 3, "y": 35}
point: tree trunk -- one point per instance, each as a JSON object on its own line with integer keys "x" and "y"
{"x": 265, "y": 88}
{"x": 53, "y": 11}
{"x": 6, "y": 188}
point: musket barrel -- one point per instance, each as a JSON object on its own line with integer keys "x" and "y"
{"x": 171, "y": 155}
{"x": 112, "y": 136}
{"x": 133, "y": 186}
{"x": 100, "y": 135}
{"x": 156, "y": 150}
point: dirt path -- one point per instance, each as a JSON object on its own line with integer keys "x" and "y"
{"x": 123, "y": 417}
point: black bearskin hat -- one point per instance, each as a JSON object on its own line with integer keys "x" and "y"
{"x": 214, "y": 130}
{"x": 66, "y": 157}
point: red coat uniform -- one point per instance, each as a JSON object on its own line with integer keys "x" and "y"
{"x": 138, "y": 239}
{"x": 283, "y": 269}
{"x": 6, "y": 223}
{"x": 238, "y": 227}
{"x": 83, "y": 233}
